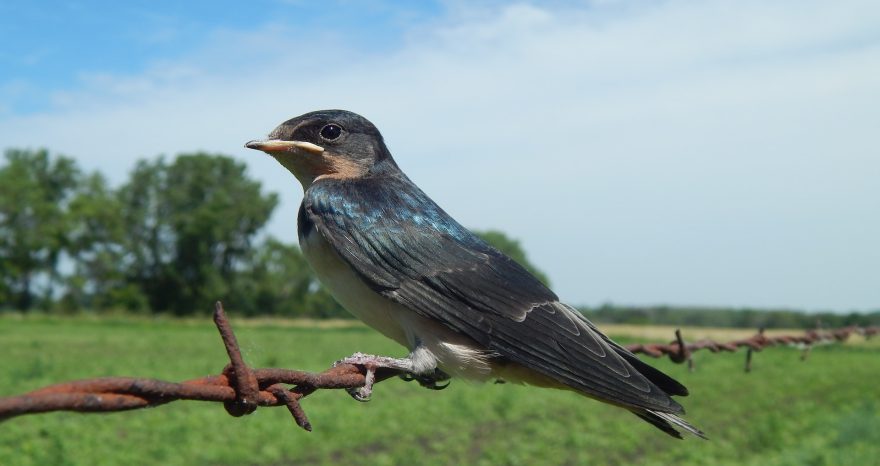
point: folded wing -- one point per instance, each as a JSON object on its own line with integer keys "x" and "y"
{"x": 405, "y": 247}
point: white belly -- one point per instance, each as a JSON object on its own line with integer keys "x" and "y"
{"x": 452, "y": 352}
{"x": 351, "y": 292}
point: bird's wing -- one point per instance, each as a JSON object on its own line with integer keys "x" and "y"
{"x": 405, "y": 247}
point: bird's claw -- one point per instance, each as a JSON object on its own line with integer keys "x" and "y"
{"x": 364, "y": 393}
{"x": 371, "y": 363}
{"x": 359, "y": 394}
{"x": 429, "y": 381}
{"x": 357, "y": 359}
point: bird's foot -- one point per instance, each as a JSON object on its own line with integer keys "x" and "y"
{"x": 371, "y": 363}
{"x": 429, "y": 381}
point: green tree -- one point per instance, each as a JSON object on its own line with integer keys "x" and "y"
{"x": 514, "y": 249}
{"x": 97, "y": 244}
{"x": 276, "y": 280}
{"x": 279, "y": 281}
{"x": 189, "y": 227}
{"x": 34, "y": 192}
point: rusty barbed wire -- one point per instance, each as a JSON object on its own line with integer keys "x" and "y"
{"x": 679, "y": 352}
{"x": 242, "y": 389}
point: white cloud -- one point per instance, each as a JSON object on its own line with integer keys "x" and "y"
{"x": 679, "y": 152}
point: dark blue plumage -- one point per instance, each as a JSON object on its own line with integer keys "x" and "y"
{"x": 442, "y": 283}
{"x": 408, "y": 249}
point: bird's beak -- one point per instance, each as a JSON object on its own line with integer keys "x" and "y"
{"x": 277, "y": 145}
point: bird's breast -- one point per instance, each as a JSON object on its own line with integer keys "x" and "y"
{"x": 349, "y": 290}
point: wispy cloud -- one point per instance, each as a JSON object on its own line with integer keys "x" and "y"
{"x": 683, "y": 152}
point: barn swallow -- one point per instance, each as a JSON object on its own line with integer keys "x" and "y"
{"x": 393, "y": 258}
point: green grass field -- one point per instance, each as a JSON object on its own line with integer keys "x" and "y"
{"x": 787, "y": 412}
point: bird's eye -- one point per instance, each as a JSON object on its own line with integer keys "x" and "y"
{"x": 331, "y": 132}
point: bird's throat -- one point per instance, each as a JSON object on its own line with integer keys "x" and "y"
{"x": 310, "y": 168}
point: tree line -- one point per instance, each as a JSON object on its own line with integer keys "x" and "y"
{"x": 176, "y": 236}
{"x": 179, "y": 234}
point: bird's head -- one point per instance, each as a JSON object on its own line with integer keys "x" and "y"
{"x": 327, "y": 144}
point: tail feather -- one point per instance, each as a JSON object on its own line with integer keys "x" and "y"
{"x": 668, "y": 422}
{"x": 658, "y": 378}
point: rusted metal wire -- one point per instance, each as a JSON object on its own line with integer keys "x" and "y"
{"x": 678, "y": 351}
{"x": 242, "y": 389}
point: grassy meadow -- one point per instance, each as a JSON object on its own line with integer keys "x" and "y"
{"x": 787, "y": 412}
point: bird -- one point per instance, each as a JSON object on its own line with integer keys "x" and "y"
{"x": 397, "y": 261}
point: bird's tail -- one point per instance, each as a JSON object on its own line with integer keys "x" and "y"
{"x": 668, "y": 422}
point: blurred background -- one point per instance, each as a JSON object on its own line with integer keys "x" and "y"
{"x": 657, "y": 162}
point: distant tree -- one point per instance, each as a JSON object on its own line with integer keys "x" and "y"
{"x": 514, "y": 249}
{"x": 34, "y": 192}
{"x": 189, "y": 227}
{"x": 279, "y": 281}
{"x": 276, "y": 280}
{"x": 97, "y": 243}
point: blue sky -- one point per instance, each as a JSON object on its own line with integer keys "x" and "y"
{"x": 715, "y": 153}
{"x": 58, "y": 43}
